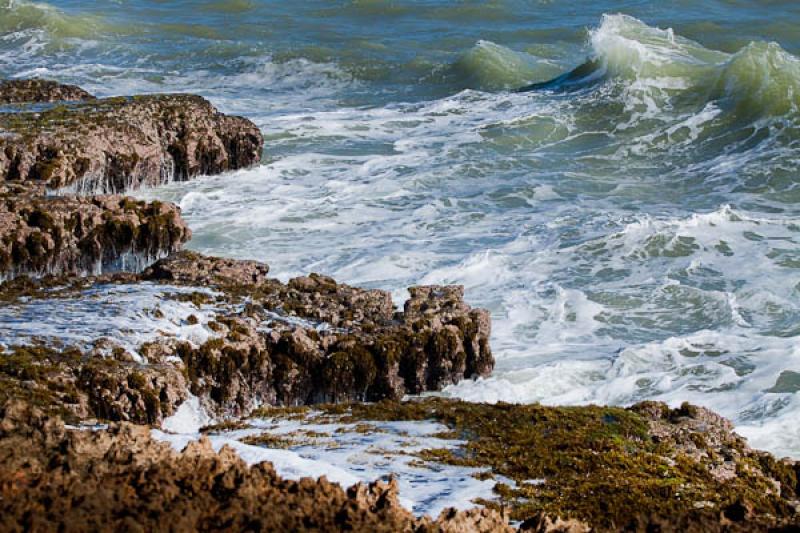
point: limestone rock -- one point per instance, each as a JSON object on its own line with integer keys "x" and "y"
{"x": 195, "y": 269}
{"x": 82, "y": 235}
{"x": 39, "y": 91}
{"x": 313, "y": 340}
{"x": 120, "y": 479}
{"x": 116, "y": 144}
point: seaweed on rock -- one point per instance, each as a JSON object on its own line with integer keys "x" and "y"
{"x": 645, "y": 468}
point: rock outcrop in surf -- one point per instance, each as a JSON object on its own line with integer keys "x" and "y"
{"x": 55, "y": 478}
{"x": 29, "y": 91}
{"x": 56, "y": 137}
{"x": 602, "y": 469}
{"x": 113, "y": 145}
{"x": 42, "y": 234}
{"x": 311, "y": 340}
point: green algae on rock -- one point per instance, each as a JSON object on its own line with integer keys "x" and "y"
{"x": 314, "y": 340}
{"x": 39, "y": 91}
{"x": 609, "y": 468}
{"x": 116, "y": 144}
{"x": 77, "y": 386}
{"x": 308, "y": 341}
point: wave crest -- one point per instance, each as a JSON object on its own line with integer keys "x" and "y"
{"x": 20, "y": 16}
{"x": 760, "y": 80}
{"x": 490, "y": 66}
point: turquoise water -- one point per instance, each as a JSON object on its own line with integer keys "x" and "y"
{"x": 633, "y": 226}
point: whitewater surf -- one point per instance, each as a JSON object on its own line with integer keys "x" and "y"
{"x": 621, "y": 195}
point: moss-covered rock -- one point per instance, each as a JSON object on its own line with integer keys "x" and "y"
{"x": 58, "y": 479}
{"x": 42, "y": 234}
{"x": 646, "y": 468}
{"x": 313, "y": 340}
{"x": 39, "y": 91}
{"x": 77, "y": 386}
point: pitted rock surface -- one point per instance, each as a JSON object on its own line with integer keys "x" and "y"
{"x": 117, "y": 144}
{"x": 313, "y": 340}
{"x": 56, "y": 479}
{"x": 307, "y": 341}
{"x": 82, "y": 235}
{"x": 39, "y": 91}
{"x": 194, "y": 269}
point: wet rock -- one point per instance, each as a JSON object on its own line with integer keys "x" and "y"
{"x": 313, "y": 340}
{"x": 79, "y": 386}
{"x": 307, "y": 341}
{"x": 116, "y": 144}
{"x": 39, "y": 91}
{"x": 82, "y": 235}
{"x": 194, "y": 269}
{"x": 591, "y": 468}
{"x": 144, "y": 394}
{"x": 57, "y": 479}
{"x": 542, "y": 523}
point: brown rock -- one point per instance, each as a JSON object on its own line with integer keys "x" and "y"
{"x": 314, "y": 340}
{"x": 39, "y": 91}
{"x": 82, "y": 235}
{"x": 542, "y": 523}
{"x": 116, "y": 144}
{"x": 194, "y": 269}
{"x": 120, "y": 479}
{"x": 79, "y": 386}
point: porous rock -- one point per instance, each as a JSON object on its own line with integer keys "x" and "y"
{"x": 39, "y": 91}
{"x": 79, "y": 386}
{"x": 56, "y": 479}
{"x": 607, "y": 469}
{"x": 42, "y": 234}
{"x": 313, "y": 340}
{"x": 116, "y": 144}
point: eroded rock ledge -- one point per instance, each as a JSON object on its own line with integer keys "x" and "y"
{"x": 42, "y": 234}
{"x": 39, "y": 91}
{"x": 57, "y": 479}
{"x": 117, "y": 144}
{"x": 579, "y": 469}
{"x": 568, "y": 470}
{"x": 309, "y": 341}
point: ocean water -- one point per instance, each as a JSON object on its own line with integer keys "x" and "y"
{"x": 618, "y": 182}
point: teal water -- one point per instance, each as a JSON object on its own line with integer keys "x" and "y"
{"x": 633, "y": 227}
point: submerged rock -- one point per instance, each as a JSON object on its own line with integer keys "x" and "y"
{"x": 82, "y": 235}
{"x": 116, "y": 144}
{"x": 54, "y": 479}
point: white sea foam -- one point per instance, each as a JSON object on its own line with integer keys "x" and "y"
{"x": 125, "y": 315}
{"x": 347, "y": 454}
{"x": 190, "y": 417}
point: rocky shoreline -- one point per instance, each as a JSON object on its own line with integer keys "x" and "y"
{"x": 243, "y": 346}
{"x": 311, "y": 340}
{"x": 112, "y": 145}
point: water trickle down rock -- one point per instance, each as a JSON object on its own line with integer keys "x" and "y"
{"x": 83, "y": 235}
{"x": 116, "y": 144}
